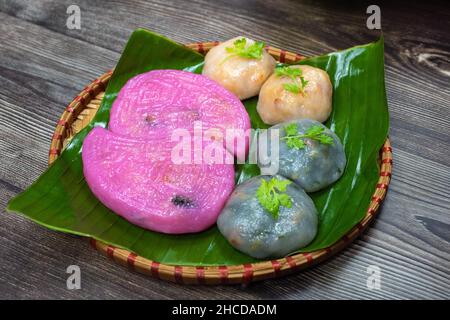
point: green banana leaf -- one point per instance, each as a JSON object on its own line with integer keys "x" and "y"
{"x": 61, "y": 200}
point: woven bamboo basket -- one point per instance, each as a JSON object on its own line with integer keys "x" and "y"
{"x": 82, "y": 110}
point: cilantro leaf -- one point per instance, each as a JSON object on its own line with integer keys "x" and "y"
{"x": 271, "y": 195}
{"x": 292, "y": 73}
{"x": 314, "y": 130}
{"x": 241, "y": 49}
{"x": 239, "y": 43}
{"x": 326, "y": 139}
{"x": 291, "y": 129}
{"x": 285, "y": 200}
{"x": 304, "y": 82}
{"x": 296, "y": 141}
{"x": 292, "y": 87}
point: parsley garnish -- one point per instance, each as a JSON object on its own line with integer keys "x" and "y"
{"x": 240, "y": 48}
{"x": 292, "y": 73}
{"x": 272, "y": 194}
{"x": 292, "y": 87}
{"x": 296, "y": 141}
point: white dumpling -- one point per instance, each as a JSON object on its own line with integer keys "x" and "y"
{"x": 276, "y": 104}
{"x": 242, "y": 76}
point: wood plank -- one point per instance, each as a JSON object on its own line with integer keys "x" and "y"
{"x": 43, "y": 65}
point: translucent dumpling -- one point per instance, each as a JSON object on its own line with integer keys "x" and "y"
{"x": 241, "y": 65}
{"x": 295, "y": 92}
{"x": 250, "y": 228}
{"x": 309, "y": 154}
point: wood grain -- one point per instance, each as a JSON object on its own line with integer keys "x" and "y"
{"x": 43, "y": 65}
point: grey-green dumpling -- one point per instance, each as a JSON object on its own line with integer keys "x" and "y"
{"x": 252, "y": 229}
{"x": 311, "y": 163}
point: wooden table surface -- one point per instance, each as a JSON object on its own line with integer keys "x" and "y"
{"x": 43, "y": 65}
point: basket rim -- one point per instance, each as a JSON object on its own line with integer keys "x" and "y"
{"x": 226, "y": 274}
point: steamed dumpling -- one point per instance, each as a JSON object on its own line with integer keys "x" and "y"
{"x": 276, "y": 104}
{"x": 313, "y": 167}
{"x": 250, "y": 228}
{"x": 241, "y": 75}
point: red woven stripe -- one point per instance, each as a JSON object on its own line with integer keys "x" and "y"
{"x": 376, "y": 199}
{"x": 57, "y": 136}
{"x": 62, "y": 122}
{"x": 359, "y": 226}
{"x": 93, "y": 243}
{"x": 200, "y": 272}
{"x": 282, "y": 56}
{"x": 248, "y": 273}
{"x": 223, "y": 270}
{"x": 346, "y": 238}
{"x": 298, "y": 57}
{"x": 385, "y": 174}
{"x": 53, "y": 152}
{"x": 99, "y": 83}
{"x": 179, "y": 274}
{"x": 79, "y": 98}
{"x": 309, "y": 257}
{"x": 371, "y": 211}
{"x": 276, "y": 266}
{"x": 387, "y": 149}
{"x": 89, "y": 90}
{"x": 110, "y": 251}
{"x": 131, "y": 259}
{"x": 291, "y": 262}
{"x": 200, "y": 48}
{"x": 382, "y": 186}
{"x": 69, "y": 109}
{"x": 387, "y": 160}
{"x": 155, "y": 269}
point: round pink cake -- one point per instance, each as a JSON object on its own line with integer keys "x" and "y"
{"x": 130, "y": 168}
{"x": 165, "y": 100}
{"x": 138, "y": 180}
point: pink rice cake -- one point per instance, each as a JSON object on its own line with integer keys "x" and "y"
{"x": 165, "y": 100}
{"x": 138, "y": 180}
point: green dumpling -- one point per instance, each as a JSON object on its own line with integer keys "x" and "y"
{"x": 252, "y": 229}
{"x": 312, "y": 162}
